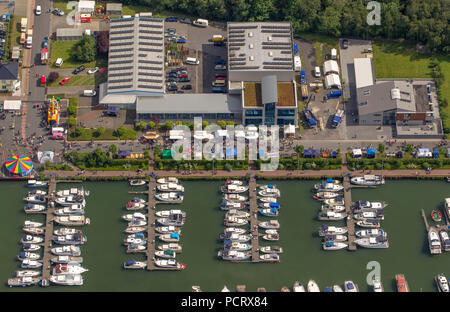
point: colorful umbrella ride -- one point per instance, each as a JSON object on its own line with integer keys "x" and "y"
{"x": 20, "y": 165}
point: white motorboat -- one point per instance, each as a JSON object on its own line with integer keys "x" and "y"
{"x": 70, "y": 200}
{"x": 72, "y": 210}
{"x": 23, "y": 281}
{"x": 234, "y": 182}
{"x": 72, "y": 192}
{"x": 66, "y": 260}
{"x": 136, "y": 248}
{"x": 237, "y": 213}
{"x": 174, "y": 220}
{"x": 34, "y": 208}
{"x": 69, "y": 250}
{"x": 170, "y": 187}
{"x": 137, "y": 222}
{"x": 168, "y": 213}
{"x": 368, "y": 180}
{"x": 169, "y": 263}
{"x": 32, "y": 224}
{"x": 330, "y": 245}
{"x": 30, "y": 247}
{"x": 271, "y": 231}
{"x": 269, "y": 257}
{"x": 335, "y": 208}
{"x": 37, "y": 192}
{"x": 67, "y": 279}
{"x": 167, "y": 180}
{"x": 370, "y": 233}
{"x": 72, "y": 220}
{"x": 328, "y": 187}
{"x": 35, "y": 199}
{"x": 267, "y": 187}
{"x": 365, "y": 205}
{"x": 138, "y": 200}
{"x": 28, "y": 239}
{"x": 136, "y": 215}
{"x": 225, "y": 289}
{"x": 373, "y": 242}
{"x": 134, "y": 206}
{"x": 168, "y": 254}
{"x": 331, "y": 215}
{"x": 63, "y": 269}
{"x": 377, "y": 286}
{"x": 335, "y": 238}
{"x": 325, "y": 195}
{"x": 34, "y": 231}
{"x": 234, "y": 221}
{"x": 235, "y": 197}
{"x": 131, "y": 264}
{"x": 434, "y": 241}
{"x": 233, "y": 255}
{"x": 445, "y": 240}
{"x": 447, "y": 209}
{"x": 227, "y": 205}
{"x": 35, "y": 183}
{"x": 234, "y": 230}
{"x": 135, "y": 229}
{"x": 332, "y": 230}
{"x": 272, "y": 224}
{"x": 270, "y": 192}
{"x": 70, "y": 239}
{"x": 268, "y": 199}
{"x": 28, "y": 255}
{"x": 28, "y": 273}
{"x": 271, "y": 237}
{"x": 30, "y": 264}
{"x": 378, "y": 215}
{"x": 233, "y": 189}
{"x": 171, "y": 197}
{"x": 271, "y": 249}
{"x": 66, "y": 231}
{"x": 167, "y": 229}
{"x": 337, "y": 288}
{"x": 442, "y": 283}
{"x": 169, "y": 238}
{"x": 171, "y": 246}
{"x": 137, "y": 182}
{"x": 335, "y": 201}
{"x": 368, "y": 223}
{"x": 237, "y": 246}
{"x": 312, "y": 286}
{"x": 349, "y": 286}
{"x": 269, "y": 205}
{"x": 298, "y": 287}
{"x": 243, "y": 238}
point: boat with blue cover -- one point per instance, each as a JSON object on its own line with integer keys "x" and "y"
{"x": 170, "y": 238}
{"x": 270, "y": 205}
{"x": 330, "y": 245}
{"x": 228, "y": 244}
{"x": 169, "y": 254}
{"x": 70, "y": 239}
{"x": 349, "y": 286}
{"x": 269, "y": 212}
{"x": 235, "y": 237}
{"x": 131, "y": 264}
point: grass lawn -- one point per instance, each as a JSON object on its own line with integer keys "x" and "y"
{"x": 15, "y": 32}
{"x": 81, "y": 80}
{"x": 63, "y": 50}
{"x": 133, "y": 9}
{"x": 321, "y": 44}
{"x": 109, "y": 134}
{"x": 62, "y": 4}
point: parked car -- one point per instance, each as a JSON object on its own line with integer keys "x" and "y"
{"x": 183, "y": 76}
{"x": 179, "y": 40}
{"x": 218, "y": 90}
{"x": 172, "y": 88}
{"x": 93, "y": 71}
{"x": 187, "y": 87}
{"x": 58, "y": 12}
{"x": 78, "y": 69}
{"x": 185, "y": 21}
{"x": 221, "y": 75}
{"x": 171, "y": 19}
{"x": 344, "y": 44}
{"x": 38, "y": 10}
{"x": 172, "y": 79}
{"x": 187, "y": 79}
{"x": 64, "y": 81}
{"x": 220, "y": 67}
{"x": 221, "y": 78}
{"x": 220, "y": 61}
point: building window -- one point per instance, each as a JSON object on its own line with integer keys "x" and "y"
{"x": 253, "y": 112}
{"x": 269, "y": 118}
{"x": 286, "y": 112}
{"x": 253, "y": 121}
{"x": 282, "y": 121}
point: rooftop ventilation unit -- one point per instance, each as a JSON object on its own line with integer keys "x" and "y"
{"x": 270, "y": 53}
{"x": 395, "y": 94}
{"x": 252, "y": 58}
{"x": 250, "y": 34}
{"x": 269, "y": 38}
{"x": 250, "y": 45}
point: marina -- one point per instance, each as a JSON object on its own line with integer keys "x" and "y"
{"x": 302, "y": 258}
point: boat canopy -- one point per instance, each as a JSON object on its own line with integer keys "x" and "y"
{"x": 175, "y": 235}
{"x": 274, "y": 205}
{"x": 130, "y": 262}
{"x": 329, "y": 244}
{"x": 270, "y": 186}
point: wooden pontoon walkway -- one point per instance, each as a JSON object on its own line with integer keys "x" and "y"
{"x": 348, "y": 208}
{"x": 254, "y": 218}
{"x": 48, "y": 232}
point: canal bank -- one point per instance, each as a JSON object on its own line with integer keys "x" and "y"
{"x": 303, "y": 258}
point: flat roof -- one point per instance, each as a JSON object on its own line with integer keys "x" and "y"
{"x": 260, "y": 46}
{"x": 61, "y": 32}
{"x": 136, "y": 55}
{"x": 189, "y": 103}
{"x": 364, "y": 75}
{"x": 253, "y": 95}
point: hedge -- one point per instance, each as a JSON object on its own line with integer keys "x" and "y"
{"x": 172, "y": 164}
{"x": 304, "y": 163}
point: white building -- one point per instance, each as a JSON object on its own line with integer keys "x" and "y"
{"x": 333, "y": 81}
{"x": 330, "y": 67}
{"x": 86, "y": 6}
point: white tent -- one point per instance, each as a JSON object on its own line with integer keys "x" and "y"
{"x": 357, "y": 153}
{"x": 239, "y": 134}
{"x": 86, "y": 6}
{"x": 12, "y": 104}
{"x": 201, "y": 135}
{"x": 333, "y": 54}
{"x": 424, "y": 153}
{"x": 222, "y": 133}
{"x": 43, "y": 157}
{"x": 176, "y": 134}
{"x": 332, "y": 81}
{"x": 289, "y": 129}
{"x": 330, "y": 66}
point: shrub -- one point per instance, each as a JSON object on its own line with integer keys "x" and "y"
{"x": 381, "y": 148}
{"x": 222, "y": 124}
{"x": 99, "y": 131}
{"x": 151, "y": 125}
{"x": 53, "y": 76}
{"x": 71, "y": 121}
{"x": 85, "y": 49}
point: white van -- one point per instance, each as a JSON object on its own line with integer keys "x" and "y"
{"x": 89, "y": 93}
{"x": 59, "y": 62}
{"x": 58, "y": 129}
{"x": 200, "y": 22}
{"x": 192, "y": 61}
{"x": 218, "y": 83}
{"x": 317, "y": 72}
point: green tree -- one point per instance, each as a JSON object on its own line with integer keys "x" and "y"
{"x": 381, "y": 148}
{"x": 99, "y": 131}
{"x": 85, "y": 50}
{"x": 121, "y": 130}
{"x": 113, "y": 149}
{"x": 222, "y": 124}
{"x": 300, "y": 149}
{"x": 71, "y": 121}
{"x": 151, "y": 125}
{"x": 205, "y": 124}
{"x": 79, "y": 131}
{"x": 230, "y": 123}
{"x": 142, "y": 125}
{"x": 168, "y": 125}
{"x": 409, "y": 148}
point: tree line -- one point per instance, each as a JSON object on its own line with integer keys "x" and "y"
{"x": 422, "y": 21}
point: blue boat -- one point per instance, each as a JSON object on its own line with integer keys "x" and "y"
{"x": 269, "y": 212}
{"x": 328, "y": 289}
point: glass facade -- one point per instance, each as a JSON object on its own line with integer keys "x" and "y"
{"x": 282, "y": 121}
{"x": 269, "y": 110}
{"x": 286, "y": 112}
{"x": 253, "y": 121}
{"x": 184, "y": 116}
{"x": 253, "y": 112}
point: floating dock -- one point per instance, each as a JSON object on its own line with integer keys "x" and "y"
{"x": 48, "y": 233}
{"x": 348, "y": 208}
{"x": 254, "y": 218}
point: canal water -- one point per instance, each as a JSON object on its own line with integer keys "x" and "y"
{"x": 303, "y": 257}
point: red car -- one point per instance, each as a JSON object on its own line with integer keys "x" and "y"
{"x": 64, "y": 81}
{"x": 183, "y": 76}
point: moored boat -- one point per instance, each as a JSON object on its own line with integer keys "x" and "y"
{"x": 34, "y": 208}
{"x": 69, "y": 250}
{"x": 132, "y": 248}
{"x": 335, "y": 238}
{"x": 225, "y": 289}
{"x": 30, "y": 264}
{"x": 169, "y": 238}
{"x": 135, "y": 229}
{"x": 271, "y": 249}
{"x": 298, "y": 287}
{"x": 328, "y": 187}
{"x": 131, "y": 264}
{"x": 72, "y": 192}
{"x": 28, "y": 255}
{"x": 237, "y": 213}
{"x": 349, "y": 286}
{"x": 228, "y": 244}
{"x": 235, "y": 197}
{"x": 228, "y": 204}
{"x": 134, "y": 241}
{"x": 272, "y": 224}
{"x": 36, "y": 183}
{"x": 168, "y": 213}
{"x": 235, "y": 237}
{"x": 233, "y": 255}
{"x": 332, "y": 230}
{"x": 368, "y": 180}
{"x": 167, "y": 229}
{"x": 335, "y": 201}
{"x": 30, "y": 247}
{"x": 270, "y": 192}
{"x": 67, "y": 279}
{"x": 269, "y": 257}
{"x": 136, "y": 215}
{"x": 436, "y": 216}
{"x": 70, "y": 200}
{"x": 335, "y": 208}
{"x": 32, "y": 224}
{"x": 434, "y": 242}
{"x": 29, "y": 273}
{"x": 445, "y": 240}
{"x": 268, "y": 199}
{"x": 66, "y": 259}
{"x": 331, "y": 215}
{"x": 171, "y": 246}
{"x": 269, "y": 205}
{"x": 137, "y": 222}
{"x": 234, "y": 230}
{"x": 35, "y": 199}
{"x": 234, "y": 221}
{"x": 169, "y": 263}
{"x": 233, "y": 189}
{"x": 28, "y": 239}
{"x": 167, "y": 180}
{"x": 442, "y": 283}
{"x": 137, "y": 182}
{"x": 72, "y": 220}
{"x": 37, "y": 192}
{"x": 402, "y": 284}
{"x": 134, "y": 206}
{"x": 312, "y": 286}
{"x": 371, "y": 233}
{"x": 76, "y": 210}
{"x": 170, "y": 197}
{"x": 170, "y": 187}
{"x": 22, "y": 281}
{"x": 365, "y": 205}
{"x": 271, "y": 237}
{"x": 174, "y": 220}
{"x": 70, "y": 239}
{"x": 63, "y": 269}
{"x": 325, "y": 195}
{"x": 34, "y": 231}
{"x": 235, "y": 182}
{"x": 447, "y": 209}
{"x": 368, "y": 223}
{"x": 169, "y": 254}
{"x": 377, "y": 286}
{"x": 377, "y": 215}
{"x": 66, "y": 231}
{"x": 330, "y": 245}
{"x": 269, "y": 212}
{"x": 337, "y": 288}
